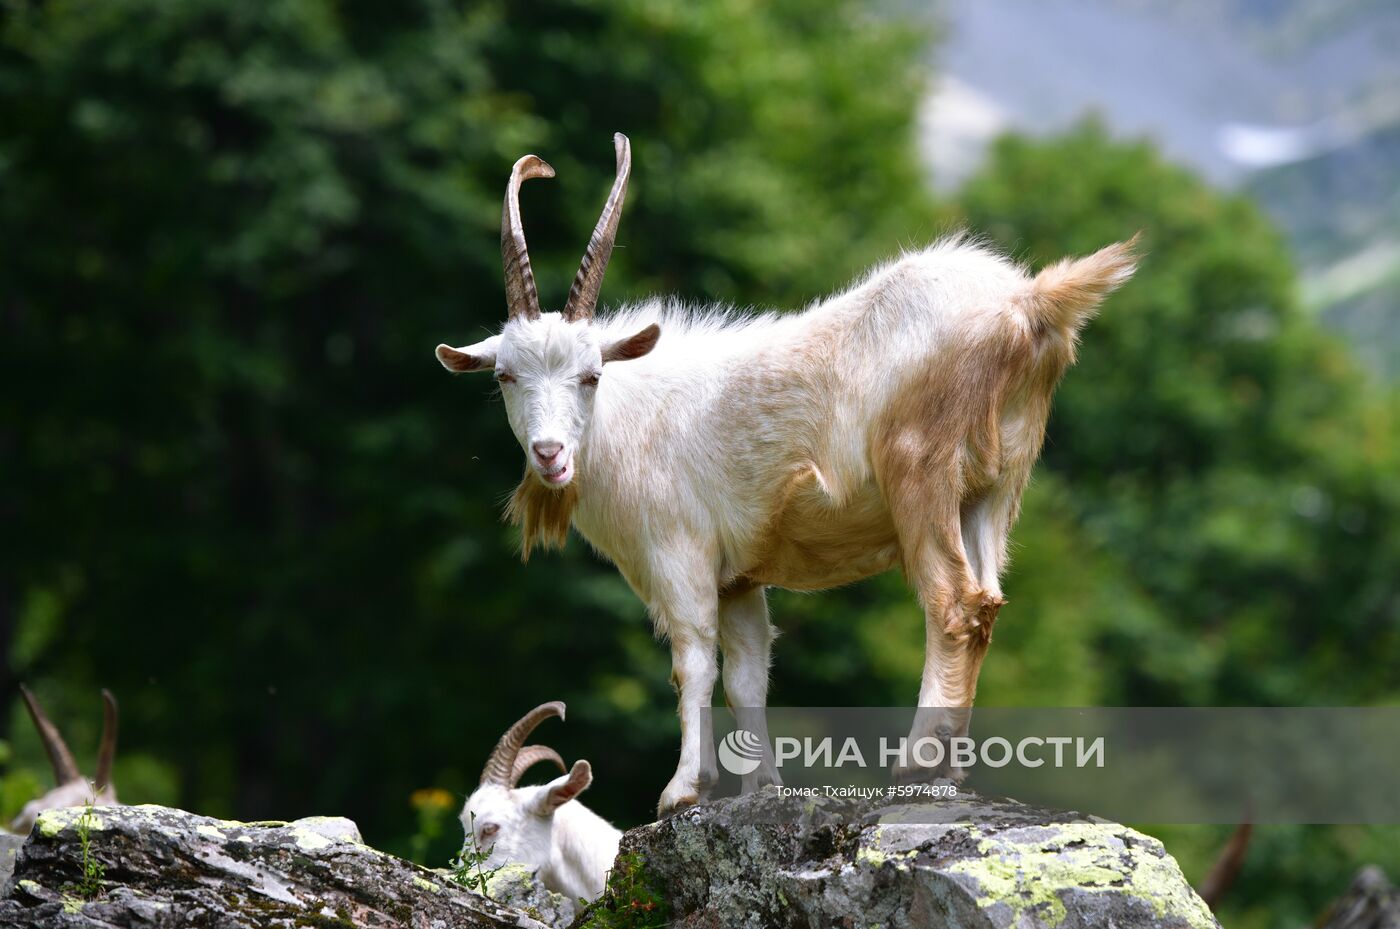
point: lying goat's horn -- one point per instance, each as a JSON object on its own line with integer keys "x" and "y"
{"x": 107, "y": 751}
{"x": 500, "y": 766}
{"x": 65, "y": 769}
{"x": 522, "y": 298}
{"x": 583, "y": 295}
{"x": 532, "y": 755}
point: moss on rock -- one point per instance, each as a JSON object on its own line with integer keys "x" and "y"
{"x": 169, "y": 863}
{"x": 752, "y": 863}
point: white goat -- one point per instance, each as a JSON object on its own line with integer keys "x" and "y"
{"x": 72, "y": 788}
{"x": 568, "y": 846}
{"x": 894, "y": 424}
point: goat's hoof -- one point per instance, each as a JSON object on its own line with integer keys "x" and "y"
{"x": 905, "y": 774}
{"x": 765, "y": 776}
{"x": 677, "y": 797}
{"x": 920, "y": 775}
{"x": 671, "y": 807}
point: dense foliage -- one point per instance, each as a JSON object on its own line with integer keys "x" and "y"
{"x": 243, "y": 493}
{"x": 240, "y": 492}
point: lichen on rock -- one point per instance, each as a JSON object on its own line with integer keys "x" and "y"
{"x": 1030, "y": 871}
{"x": 516, "y": 885}
{"x": 167, "y": 868}
{"x": 761, "y": 861}
{"x": 764, "y": 860}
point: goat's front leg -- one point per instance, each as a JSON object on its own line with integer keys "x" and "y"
{"x": 690, "y": 621}
{"x": 746, "y": 638}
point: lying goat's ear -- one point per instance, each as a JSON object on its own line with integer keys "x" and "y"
{"x": 563, "y": 789}
{"x": 478, "y": 357}
{"x": 633, "y": 346}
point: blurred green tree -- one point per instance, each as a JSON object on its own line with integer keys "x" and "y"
{"x": 1215, "y": 517}
{"x": 240, "y": 491}
{"x": 1236, "y": 462}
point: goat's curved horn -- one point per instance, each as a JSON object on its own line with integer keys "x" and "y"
{"x": 107, "y": 751}
{"x": 583, "y": 295}
{"x": 532, "y": 755}
{"x": 65, "y": 769}
{"x": 522, "y": 298}
{"x": 501, "y": 764}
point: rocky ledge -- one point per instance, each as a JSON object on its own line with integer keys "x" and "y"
{"x": 154, "y": 867}
{"x": 987, "y": 864}
{"x": 758, "y": 861}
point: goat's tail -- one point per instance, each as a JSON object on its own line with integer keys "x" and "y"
{"x": 1064, "y": 296}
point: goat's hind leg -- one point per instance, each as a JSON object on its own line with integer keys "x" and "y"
{"x": 986, "y": 524}
{"x": 958, "y": 577}
{"x": 746, "y": 639}
{"x": 958, "y": 614}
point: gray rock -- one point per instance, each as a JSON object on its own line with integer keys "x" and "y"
{"x": 755, "y": 861}
{"x": 1371, "y": 902}
{"x": 167, "y": 868}
{"x": 9, "y": 847}
{"x": 989, "y": 864}
{"x": 516, "y": 885}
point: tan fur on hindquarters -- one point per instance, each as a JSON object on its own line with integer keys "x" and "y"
{"x": 967, "y": 424}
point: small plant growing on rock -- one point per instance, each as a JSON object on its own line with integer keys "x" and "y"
{"x": 468, "y": 868}
{"x": 629, "y": 901}
{"x": 90, "y": 885}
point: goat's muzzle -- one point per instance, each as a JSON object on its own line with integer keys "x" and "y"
{"x": 553, "y": 462}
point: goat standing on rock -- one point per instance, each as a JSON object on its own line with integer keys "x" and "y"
{"x": 893, "y": 424}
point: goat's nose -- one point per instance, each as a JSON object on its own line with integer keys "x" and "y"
{"x": 547, "y": 451}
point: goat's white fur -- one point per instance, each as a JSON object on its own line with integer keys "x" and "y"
{"x": 568, "y": 846}
{"x": 745, "y": 451}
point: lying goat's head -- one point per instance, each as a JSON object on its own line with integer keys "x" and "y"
{"x": 549, "y": 364}
{"x": 516, "y": 823}
{"x": 72, "y": 789}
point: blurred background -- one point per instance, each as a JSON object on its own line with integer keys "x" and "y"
{"x": 239, "y": 491}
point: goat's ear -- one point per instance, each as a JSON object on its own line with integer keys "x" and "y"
{"x": 478, "y": 357}
{"x": 563, "y": 789}
{"x": 633, "y": 346}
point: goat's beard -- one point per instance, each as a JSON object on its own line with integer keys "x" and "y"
{"x": 542, "y": 513}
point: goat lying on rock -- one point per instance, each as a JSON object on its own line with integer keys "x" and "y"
{"x": 893, "y": 424}
{"x": 567, "y": 845}
{"x": 72, "y": 789}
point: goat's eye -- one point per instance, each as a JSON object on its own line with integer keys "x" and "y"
{"x": 503, "y": 378}
{"x": 489, "y": 831}
{"x": 589, "y": 378}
